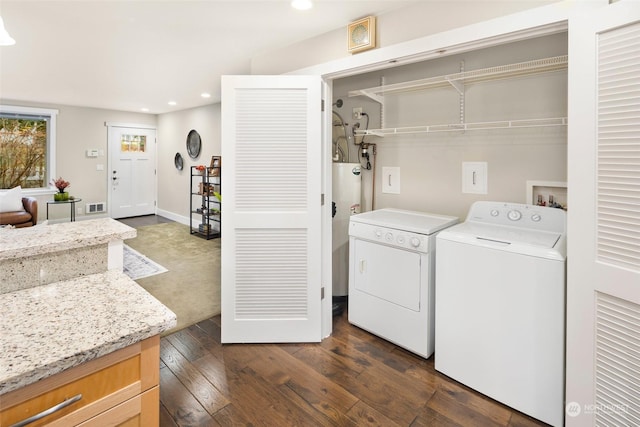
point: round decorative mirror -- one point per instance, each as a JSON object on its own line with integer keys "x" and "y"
{"x": 194, "y": 144}
{"x": 177, "y": 160}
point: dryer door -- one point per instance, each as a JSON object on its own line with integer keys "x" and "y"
{"x": 388, "y": 273}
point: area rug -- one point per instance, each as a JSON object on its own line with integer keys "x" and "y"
{"x": 138, "y": 266}
{"x": 191, "y": 286}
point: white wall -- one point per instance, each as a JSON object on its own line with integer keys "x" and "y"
{"x": 173, "y": 185}
{"x": 419, "y": 20}
{"x": 431, "y": 163}
{"x": 79, "y": 129}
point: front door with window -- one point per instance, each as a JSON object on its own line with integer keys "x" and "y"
{"x": 132, "y": 171}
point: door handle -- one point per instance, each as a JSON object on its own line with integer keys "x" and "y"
{"x": 363, "y": 265}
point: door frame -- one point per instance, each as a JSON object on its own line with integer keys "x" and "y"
{"x": 109, "y": 126}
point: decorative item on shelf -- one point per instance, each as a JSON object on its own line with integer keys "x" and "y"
{"x": 214, "y": 167}
{"x": 362, "y": 34}
{"x": 199, "y": 170}
{"x": 61, "y": 185}
{"x": 205, "y": 189}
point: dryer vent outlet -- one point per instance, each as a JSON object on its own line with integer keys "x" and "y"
{"x": 97, "y": 207}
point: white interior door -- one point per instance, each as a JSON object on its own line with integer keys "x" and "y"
{"x": 603, "y": 283}
{"x": 271, "y": 249}
{"x": 132, "y": 171}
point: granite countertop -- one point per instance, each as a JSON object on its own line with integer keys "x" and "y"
{"x": 48, "y": 329}
{"x": 41, "y": 239}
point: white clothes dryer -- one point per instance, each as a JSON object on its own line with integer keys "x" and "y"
{"x": 391, "y": 277}
{"x": 500, "y": 306}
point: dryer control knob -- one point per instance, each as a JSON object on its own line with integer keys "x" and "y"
{"x": 535, "y": 218}
{"x": 389, "y": 237}
{"x": 378, "y": 233}
{"x": 495, "y": 212}
{"x": 400, "y": 239}
{"x": 415, "y": 242}
{"x": 514, "y": 215}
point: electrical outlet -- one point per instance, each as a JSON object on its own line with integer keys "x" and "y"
{"x": 357, "y": 113}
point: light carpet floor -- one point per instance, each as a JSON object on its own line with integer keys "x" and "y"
{"x": 191, "y": 286}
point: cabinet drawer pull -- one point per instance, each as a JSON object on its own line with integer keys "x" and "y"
{"x": 49, "y": 411}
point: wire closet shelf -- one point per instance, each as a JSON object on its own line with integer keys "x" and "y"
{"x": 458, "y": 81}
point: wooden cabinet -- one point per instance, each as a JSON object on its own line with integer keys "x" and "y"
{"x": 118, "y": 389}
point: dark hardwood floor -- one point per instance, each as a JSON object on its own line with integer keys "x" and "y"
{"x": 141, "y": 221}
{"x": 352, "y": 378}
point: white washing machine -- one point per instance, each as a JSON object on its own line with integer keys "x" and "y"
{"x": 391, "y": 277}
{"x": 500, "y": 306}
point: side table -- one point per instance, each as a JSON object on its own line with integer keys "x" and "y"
{"x": 71, "y": 202}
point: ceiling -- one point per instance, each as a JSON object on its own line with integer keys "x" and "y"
{"x": 130, "y": 55}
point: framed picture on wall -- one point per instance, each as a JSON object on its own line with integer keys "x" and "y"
{"x": 361, "y": 34}
{"x": 214, "y": 167}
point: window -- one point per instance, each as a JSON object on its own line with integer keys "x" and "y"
{"x": 27, "y": 147}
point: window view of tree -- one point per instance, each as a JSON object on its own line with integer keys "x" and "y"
{"x": 23, "y": 152}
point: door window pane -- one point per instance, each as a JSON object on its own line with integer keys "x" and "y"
{"x": 133, "y": 143}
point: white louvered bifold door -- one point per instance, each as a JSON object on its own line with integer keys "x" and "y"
{"x": 603, "y": 257}
{"x": 271, "y": 216}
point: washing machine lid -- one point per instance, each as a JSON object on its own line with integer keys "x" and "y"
{"x": 412, "y": 221}
{"x": 537, "y": 243}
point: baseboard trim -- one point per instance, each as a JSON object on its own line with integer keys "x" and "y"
{"x": 172, "y": 216}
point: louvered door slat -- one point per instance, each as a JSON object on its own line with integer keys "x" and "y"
{"x": 617, "y": 361}
{"x": 618, "y": 156}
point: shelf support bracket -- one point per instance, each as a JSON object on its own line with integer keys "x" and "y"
{"x": 378, "y": 98}
{"x": 456, "y": 85}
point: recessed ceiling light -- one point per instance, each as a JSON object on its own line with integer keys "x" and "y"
{"x": 205, "y": 95}
{"x": 144, "y": 109}
{"x": 172, "y": 102}
{"x": 302, "y": 4}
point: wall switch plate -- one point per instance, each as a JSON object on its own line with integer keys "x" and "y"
{"x": 92, "y": 153}
{"x": 391, "y": 180}
{"x": 474, "y": 177}
{"x": 99, "y": 167}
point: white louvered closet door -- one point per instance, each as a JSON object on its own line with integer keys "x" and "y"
{"x": 603, "y": 292}
{"x": 271, "y": 216}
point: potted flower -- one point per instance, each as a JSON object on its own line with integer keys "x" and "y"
{"x": 199, "y": 170}
{"x": 61, "y": 185}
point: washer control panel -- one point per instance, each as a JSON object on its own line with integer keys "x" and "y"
{"x": 390, "y": 236}
{"x": 518, "y": 215}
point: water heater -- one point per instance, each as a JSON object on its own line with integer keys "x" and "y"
{"x": 347, "y": 184}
